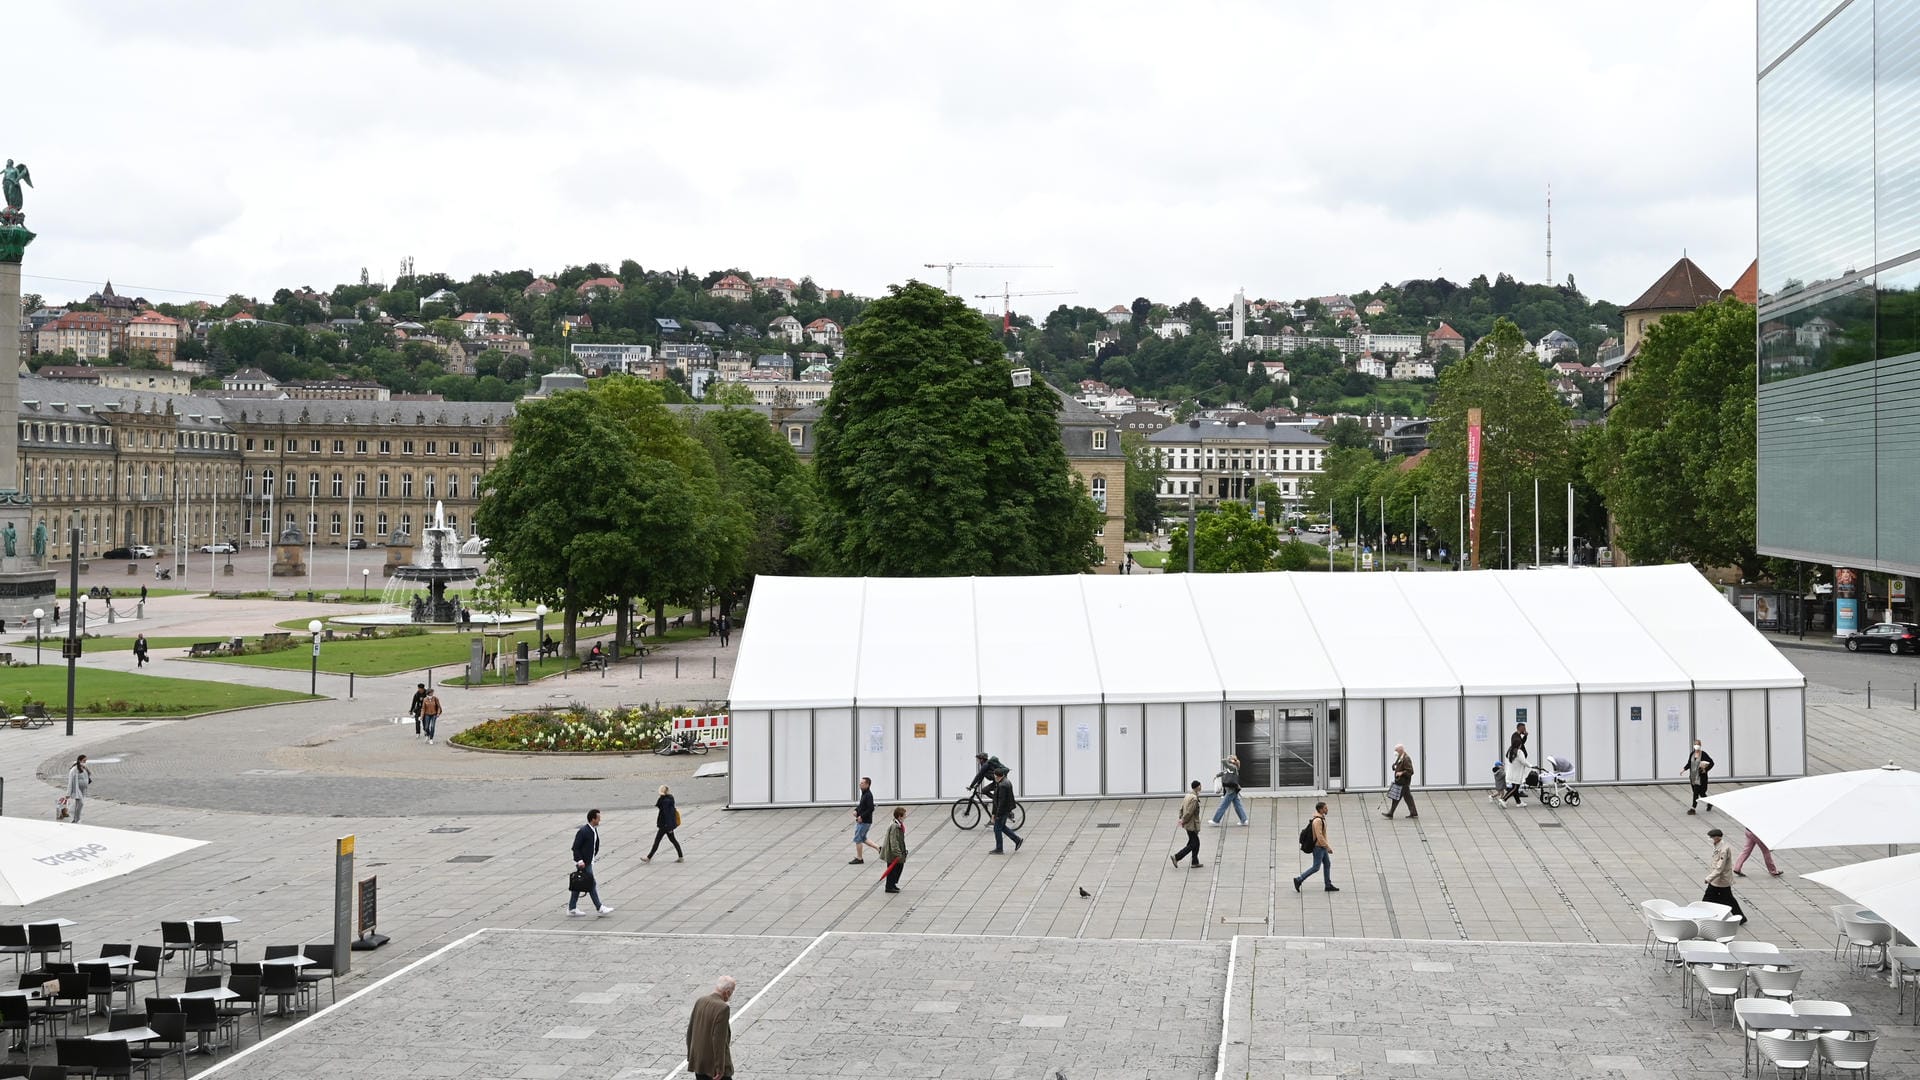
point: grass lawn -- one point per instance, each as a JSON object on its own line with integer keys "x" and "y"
{"x": 374, "y": 656}
{"x": 122, "y": 644}
{"x": 115, "y": 693}
{"x": 555, "y": 665}
{"x": 121, "y": 591}
{"x": 1153, "y": 559}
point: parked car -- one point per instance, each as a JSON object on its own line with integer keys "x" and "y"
{"x": 1895, "y": 637}
{"x": 216, "y": 549}
{"x": 356, "y": 543}
{"x": 142, "y": 551}
{"x": 1319, "y": 527}
{"x": 118, "y": 553}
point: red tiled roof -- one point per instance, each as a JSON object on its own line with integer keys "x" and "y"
{"x": 1747, "y": 288}
{"x": 1682, "y": 288}
{"x": 1446, "y": 333}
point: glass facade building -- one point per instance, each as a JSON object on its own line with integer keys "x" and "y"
{"x": 1839, "y": 292}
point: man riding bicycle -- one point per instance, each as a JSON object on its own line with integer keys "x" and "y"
{"x": 987, "y": 768}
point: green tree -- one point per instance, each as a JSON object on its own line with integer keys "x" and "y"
{"x": 1525, "y": 436}
{"x": 1145, "y": 470}
{"x": 1350, "y": 434}
{"x": 931, "y": 462}
{"x": 1678, "y": 466}
{"x": 1226, "y": 540}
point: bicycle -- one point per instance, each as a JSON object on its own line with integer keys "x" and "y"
{"x": 684, "y": 742}
{"x": 970, "y": 809}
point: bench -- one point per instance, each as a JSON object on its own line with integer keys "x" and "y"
{"x": 545, "y": 651}
{"x": 227, "y": 594}
{"x": 205, "y": 648}
{"x": 331, "y": 598}
{"x": 679, "y": 621}
{"x": 32, "y": 715}
{"x": 283, "y": 594}
{"x": 276, "y": 639}
{"x": 368, "y": 632}
{"x": 6, "y": 659}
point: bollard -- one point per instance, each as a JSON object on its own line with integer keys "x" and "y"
{"x": 716, "y": 670}
{"x": 640, "y": 666}
{"x": 349, "y": 685}
{"x": 429, "y": 678}
{"x": 676, "y": 667}
{"x": 1869, "y": 693}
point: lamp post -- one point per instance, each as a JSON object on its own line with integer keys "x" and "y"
{"x": 38, "y": 614}
{"x": 363, "y": 581}
{"x": 540, "y": 631}
{"x": 313, "y": 686}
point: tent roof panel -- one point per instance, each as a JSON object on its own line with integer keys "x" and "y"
{"x": 1481, "y": 636}
{"x": 1261, "y": 636}
{"x": 1147, "y": 639}
{"x": 803, "y": 650}
{"x": 1599, "y": 642}
{"x": 1033, "y": 643}
{"x": 1704, "y": 634}
{"x": 916, "y": 643}
{"x": 1369, "y": 631}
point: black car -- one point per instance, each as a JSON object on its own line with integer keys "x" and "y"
{"x": 119, "y": 553}
{"x": 1895, "y": 637}
{"x": 356, "y": 543}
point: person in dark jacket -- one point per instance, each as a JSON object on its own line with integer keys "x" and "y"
{"x": 1003, "y": 804}
{"x": 419, "y": 695}
{"x": 586, "y": 847}
{"x": 664, "y": 825}
{"x": 1229, "y": 776}
{"x": 140, "y": 650}
{"x": 862, "y": 821}
{"x": 894, "y": 851}
{"x": 1699, "y": 764}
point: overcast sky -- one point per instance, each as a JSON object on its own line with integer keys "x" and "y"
{"x": 1136, "y": 149}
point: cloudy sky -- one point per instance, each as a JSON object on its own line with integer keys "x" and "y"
{"x": 1135, "y": 149}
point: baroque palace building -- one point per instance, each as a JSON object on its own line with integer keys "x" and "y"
{"x": 174, "y": 470}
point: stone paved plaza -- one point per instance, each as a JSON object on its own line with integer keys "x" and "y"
{"x": 1456, "y": 940}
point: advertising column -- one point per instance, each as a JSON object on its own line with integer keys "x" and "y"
{"x": 1473, "y": 489}
{"x": 1846, "y": 601}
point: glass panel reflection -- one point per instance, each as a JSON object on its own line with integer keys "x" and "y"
{"x": 1833, "y": 329}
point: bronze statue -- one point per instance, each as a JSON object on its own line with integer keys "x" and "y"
{"x": 10, "y": 180}
{"x": 11, "y": 538}
{"x": 40, "y": 541}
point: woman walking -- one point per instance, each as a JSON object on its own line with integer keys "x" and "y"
{"x": 1517, "y": 769}
{"x": 1229, "y": 775}
{"x": 78, "y": 779}
{"x": 1699, "y": 764}
{"x": 664, "y": 825}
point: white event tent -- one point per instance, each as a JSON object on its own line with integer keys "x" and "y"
{"x": 1136, "y": 684}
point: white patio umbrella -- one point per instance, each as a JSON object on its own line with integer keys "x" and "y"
{"x": 1891, "y": 887}
{"x": 41, "y": 858}
{"x": 1864, "y": 807}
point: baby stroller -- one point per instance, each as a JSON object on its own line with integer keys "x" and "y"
{"x": 1557, "y": 785}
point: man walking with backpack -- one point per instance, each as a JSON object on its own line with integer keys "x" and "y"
{"x": 1003, "y": 804}
{"x": 1229, "y": 775}
{"x": 1313, "y": 839}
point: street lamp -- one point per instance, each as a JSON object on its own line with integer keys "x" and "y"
{"x": 38, "y": 614}
{"x": 540, "y": 630}
{"x": 363, "y": 580}
{"x": 313, "y": 686}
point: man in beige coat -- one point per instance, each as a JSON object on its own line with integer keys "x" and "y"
{"x": 710, "y": 1033}
{"x": 1190, "y": 821}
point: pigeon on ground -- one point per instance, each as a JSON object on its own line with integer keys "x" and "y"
{"x": 1085, "y": 895}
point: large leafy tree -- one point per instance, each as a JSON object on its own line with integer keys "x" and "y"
{"x": 759, "y": 471}
{"x": 1678, "y": 465}
{"x": 1526, "y": 435}
{"x": 931, "y": 462}
{"x": 1226, "y": 540}
{"x": 1145, "y": 471}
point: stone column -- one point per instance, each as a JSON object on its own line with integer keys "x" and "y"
{"x": 25, "y": 582}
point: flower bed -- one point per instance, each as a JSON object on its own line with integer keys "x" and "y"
{"x": 573, "y": 730}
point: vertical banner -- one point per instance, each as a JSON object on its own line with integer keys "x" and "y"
{"x": 1846, "y": 602}
{"x": 1473, "y": 489}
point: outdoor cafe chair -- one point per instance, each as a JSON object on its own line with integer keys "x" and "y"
{"x": 1671, "y": 932}
{"x": 175, "y": 937}
{"x": 321, "y": 970}
{"x": 147, "y": 960}
{"x": 43, "y": 940}
{"x": 1776, "y": 983}
{"x": 245, "y": 1002}
{"x": 1751, "y": 1015}
{"x": 17, "y": 1021}
{"x": 70, "y": 998}
{"x": 1866, "y": 937}
{"x": 13, "y": 942}
{"x": 1853, "y": 1055}
{"x": 281, "y": 982}
{"x": 1789, "y": 1055}
{"x": 211, "y": 938}
{"x": 1720, "y": 930}
{"x": 1719, "y": 982}
{"x": 1841, "y": 913}
{"x": 171, "y": 1027}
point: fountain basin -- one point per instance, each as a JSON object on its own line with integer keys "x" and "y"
{"x": 480, "y": 620}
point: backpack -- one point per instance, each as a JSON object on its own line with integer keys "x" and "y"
{"x": 1306, "y": 838}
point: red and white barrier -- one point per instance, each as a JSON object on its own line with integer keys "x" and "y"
{"x": 712, "y": 730}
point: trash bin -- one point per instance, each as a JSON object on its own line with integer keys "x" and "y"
{"x": 521, "y": 669}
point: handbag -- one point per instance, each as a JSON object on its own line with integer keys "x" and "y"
{"x": 580, "y": 880}
{"x": 61, "y": 802}
{"x": 676, "y": 817}
{"x": 1394, "y": 792}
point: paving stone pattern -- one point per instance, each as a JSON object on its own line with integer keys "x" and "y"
{"x": 1464, "y": 1011}
{"x": 525, "y": 1004}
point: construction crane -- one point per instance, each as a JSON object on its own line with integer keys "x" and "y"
{"x": 980, "y": 266}
{"x": 1005, "y": 296}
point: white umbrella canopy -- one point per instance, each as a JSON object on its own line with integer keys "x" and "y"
{"x": 1891, "y": 887}
{"x": 41, "y": 858}
{"x": 1864, "y": 807}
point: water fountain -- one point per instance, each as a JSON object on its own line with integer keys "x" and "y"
{"x": 436, "y": 562}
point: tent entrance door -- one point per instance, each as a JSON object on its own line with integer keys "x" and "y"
{"x": 1282, "y": 747}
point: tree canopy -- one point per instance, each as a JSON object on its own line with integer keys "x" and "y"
{"x": 1678, "y": 461}
{"x": 931, "y": 462}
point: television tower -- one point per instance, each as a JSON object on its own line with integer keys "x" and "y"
{"x": 1549, "y": 232}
